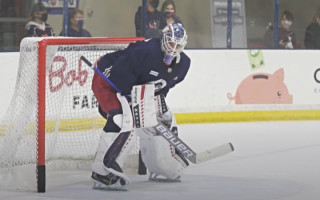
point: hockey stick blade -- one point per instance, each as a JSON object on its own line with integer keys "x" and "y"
{"x": 214, "y": 153}
{"x": 188, "y": 153}
{"x": 176, "y": 142}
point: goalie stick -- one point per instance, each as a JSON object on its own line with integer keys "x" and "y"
{"x": 183, "y": 148}
{"x": 162, "y": 130}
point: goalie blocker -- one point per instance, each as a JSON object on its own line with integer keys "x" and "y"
{"x": 159, "y": 156}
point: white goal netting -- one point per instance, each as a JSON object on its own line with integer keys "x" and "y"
{"x": 72, "y": 122}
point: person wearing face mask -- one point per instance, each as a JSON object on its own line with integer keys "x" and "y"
{"x": 37, "y": 26}
{"x": 76, "y": 25}
{"x": 312, "y": 35}
{"x": 153, "y": 19}
{"x": 286, "y": 37}
{"x": 168, "y": 10}
{"x": 162, "y": 63}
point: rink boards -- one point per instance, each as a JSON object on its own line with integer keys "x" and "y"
{"x": 226, "y": 86}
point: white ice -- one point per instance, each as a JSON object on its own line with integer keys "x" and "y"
{"x": 272, "y": 160}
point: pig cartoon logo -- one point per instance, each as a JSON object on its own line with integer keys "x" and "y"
{"x": 262, "y": 88}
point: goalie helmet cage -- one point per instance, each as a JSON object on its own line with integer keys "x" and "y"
{"x": 53, "y": 116}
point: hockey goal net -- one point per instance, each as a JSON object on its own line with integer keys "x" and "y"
{"x": 53, "y": 121}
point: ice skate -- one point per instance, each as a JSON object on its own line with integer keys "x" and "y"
{"x": 158, "y": 178}
{"x": 108, "y": 182}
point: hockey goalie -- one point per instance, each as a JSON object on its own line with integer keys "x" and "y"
{"x": 162, "y": 63}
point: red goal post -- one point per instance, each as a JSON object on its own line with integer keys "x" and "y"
{"x": 51, "y": 80}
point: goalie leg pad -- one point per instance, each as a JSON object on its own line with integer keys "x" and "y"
{"x": 105, "y": 142}
{"x": 118, "y": 152}
{"x": 159, "y": 156}
{"x": 112, "y": 153}
{"x": 107, "y": 165}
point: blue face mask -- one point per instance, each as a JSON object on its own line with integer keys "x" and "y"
{"x": 80, "y": 23}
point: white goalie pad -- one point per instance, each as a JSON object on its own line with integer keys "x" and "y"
{"x": 115, "y": 147}
{"x": 105, "y": 142}
{"x": 143, "y": 105}
{"x": 126, "y": 132}
{"x": 159, "y": 156}
{"x": 127, "y": 119}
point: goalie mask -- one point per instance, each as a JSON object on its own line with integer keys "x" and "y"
{"x": 174, "y": 39}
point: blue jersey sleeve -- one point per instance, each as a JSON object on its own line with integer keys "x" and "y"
{"x": 123, "y": 66}
{"x": 122, "y": 73}
{"x": 185, "y": 63}
{"x": 109, "y": 59}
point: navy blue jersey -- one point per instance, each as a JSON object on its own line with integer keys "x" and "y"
{"x": 142, "y": 62}
{"x": 74, "y": 33}
{"x": 152, "y": 25}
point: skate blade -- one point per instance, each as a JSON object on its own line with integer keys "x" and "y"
{"x": 114, "y": 187}
{"x": 155, "y": 178}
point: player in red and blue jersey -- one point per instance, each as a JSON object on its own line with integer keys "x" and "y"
{"x": 158, "y": 60}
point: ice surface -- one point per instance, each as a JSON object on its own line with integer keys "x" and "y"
{"x": 272, "y": 160}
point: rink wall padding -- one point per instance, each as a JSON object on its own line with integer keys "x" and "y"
{"x": 226, "y": 86}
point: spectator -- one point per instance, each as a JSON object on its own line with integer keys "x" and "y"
{"x": 37, "y": 26}
{"x": 312, "y": 35}
{"x": 286, "y": 37}
{"x": 153, "y": 20}
{"x": 76, "y": 24}
{"x": 168, "y": 9}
